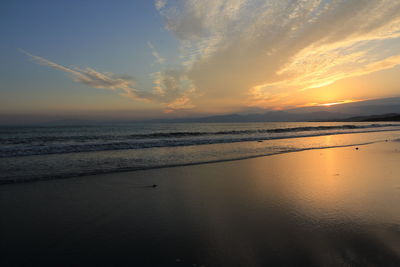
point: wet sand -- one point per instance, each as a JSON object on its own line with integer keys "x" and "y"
{"x": 328, "y": 207}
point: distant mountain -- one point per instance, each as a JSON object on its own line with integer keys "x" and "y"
{"x": 271, "y": 116}
{"x": 361, "y": 108}
{"x": 383, "y": 117}
{"x": 340, "y": 112}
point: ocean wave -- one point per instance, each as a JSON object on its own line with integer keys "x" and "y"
{"x": 167, "y": 141}
{"x": 257, "y": 131}
{"x": 48, "y": 138}
{"x": 33, "y": 163}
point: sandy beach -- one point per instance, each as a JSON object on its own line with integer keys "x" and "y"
{"x": 326, "y": 207}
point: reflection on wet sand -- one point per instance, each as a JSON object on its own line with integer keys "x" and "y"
{"x": 331, "y": 207}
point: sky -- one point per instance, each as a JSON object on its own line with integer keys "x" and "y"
{"x": 171, "y": 58}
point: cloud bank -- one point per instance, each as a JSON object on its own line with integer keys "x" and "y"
{"x": 265, "y": 50}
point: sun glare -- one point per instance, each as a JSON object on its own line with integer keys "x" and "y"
{"x": 332, "y": 103}
{"x": 338, "y": 103}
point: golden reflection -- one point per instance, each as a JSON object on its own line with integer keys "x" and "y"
{"x": 332, "y": 183}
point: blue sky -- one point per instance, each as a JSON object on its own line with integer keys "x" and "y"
{"x": 105, "y": 35}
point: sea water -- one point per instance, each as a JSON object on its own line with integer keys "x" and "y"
{"x": 41, "y": 152}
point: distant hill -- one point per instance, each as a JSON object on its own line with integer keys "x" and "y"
{"x": 283, "y": 116}
{"x": 360, "y": 108}
{"x": 383, "y": 117}
{"x": 355, "y": 111}
{"x": 271, "y": 116}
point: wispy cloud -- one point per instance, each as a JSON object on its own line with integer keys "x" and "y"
{"x": 89, "y": 76}
{"x": 159, "y": 59}
{"x": 167, "y": 90}
{"x": 268, "y": 49}
{"x": 160, "y": 4}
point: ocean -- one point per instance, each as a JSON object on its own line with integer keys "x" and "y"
{"x": 29, "y": 153}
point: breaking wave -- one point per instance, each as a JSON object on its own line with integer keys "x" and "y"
{"x": 14, "y": 145}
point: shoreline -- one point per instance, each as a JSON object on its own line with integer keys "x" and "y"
{"x": 16, "y": 170}
{"x": 33, "y": 180}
